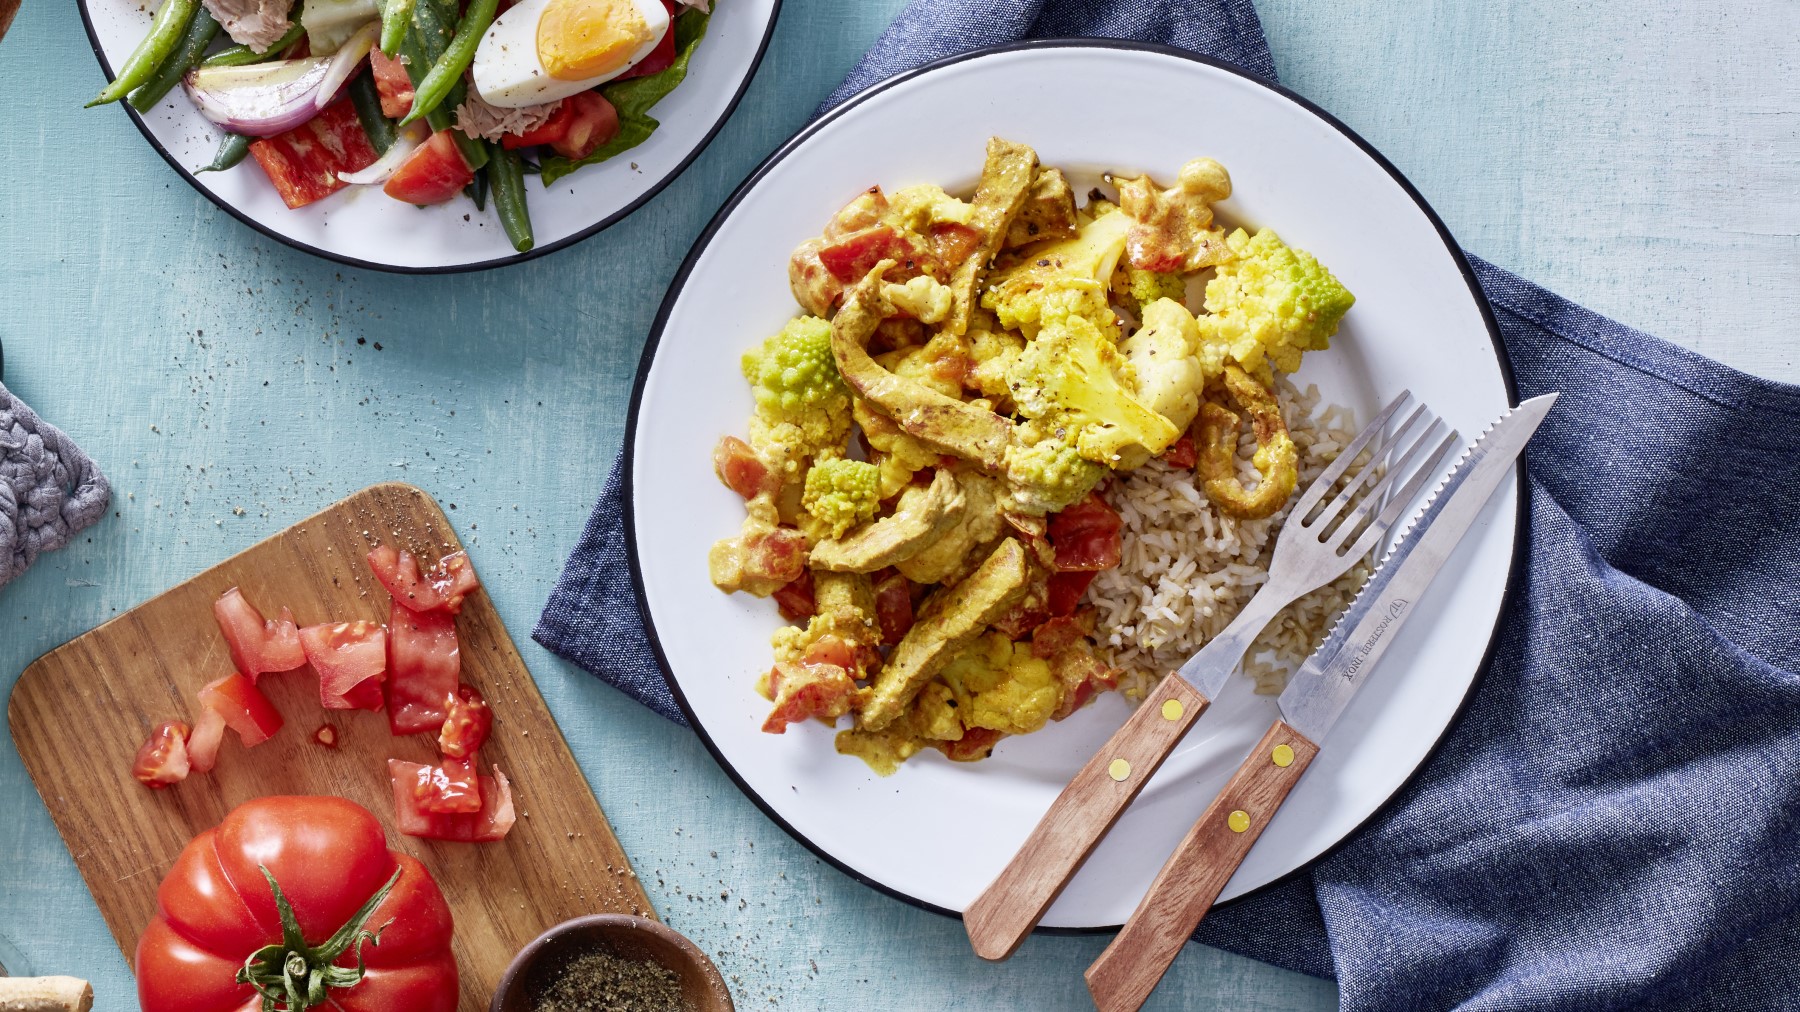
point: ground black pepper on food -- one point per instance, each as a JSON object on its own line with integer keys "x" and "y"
{"x": 603, "y": 982}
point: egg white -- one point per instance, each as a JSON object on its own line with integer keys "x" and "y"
{"x": 508, "y": 73}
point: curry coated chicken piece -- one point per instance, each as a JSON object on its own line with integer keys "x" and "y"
{"x": 922, "y": 516}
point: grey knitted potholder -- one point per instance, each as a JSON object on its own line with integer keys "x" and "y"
{"x": 49, "y": 489}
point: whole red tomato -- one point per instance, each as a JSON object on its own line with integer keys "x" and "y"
{"x": 223, "y": 936}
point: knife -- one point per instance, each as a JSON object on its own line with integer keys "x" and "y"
{"x": 1125, "y": 974}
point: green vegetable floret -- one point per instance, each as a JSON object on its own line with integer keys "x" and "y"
{"x": 802, "y": 404}
{"x": 1270, "y": 301}
{"x": 1045, "y": 473}
{"x": 1148, "y": 286}
{"x": 841, "y": 493}
{"x": 1072, "y": 380}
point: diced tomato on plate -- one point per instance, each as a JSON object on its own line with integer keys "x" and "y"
{"x": 803, "y": 691}
{"x": 795, "y": 600}
{"x": 258, "y": 645}
{"x": 392, "y": 83}
{"x": 433, "y": 173}
{"x": 1066, "y": 590}
{"x": 742, "y": 471}
{"x": 304, "y": 162}
{"x": 582, "y": 123}
{"x": 1086, "y": 536}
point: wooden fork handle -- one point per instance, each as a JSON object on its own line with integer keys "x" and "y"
{"x": 1005, "y": 913}
{"x": 1125, "y": 974}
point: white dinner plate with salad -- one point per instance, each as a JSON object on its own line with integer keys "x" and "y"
{"x": 364, "y": 226}
{"x": 936, "y": 832}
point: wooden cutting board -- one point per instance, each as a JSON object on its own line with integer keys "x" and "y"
{"x": 79, "y": 713}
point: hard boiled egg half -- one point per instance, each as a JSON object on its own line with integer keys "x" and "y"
{"x": 543, "y": 50}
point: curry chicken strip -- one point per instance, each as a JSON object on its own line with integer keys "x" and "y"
{"x": 1006, "y": 178}
{"x": 949, "y": 619}
{"x": 921, "y": 518}
{"x": 946, "y": 423}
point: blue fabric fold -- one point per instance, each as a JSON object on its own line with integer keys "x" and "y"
{"x": 1614, "y": 823}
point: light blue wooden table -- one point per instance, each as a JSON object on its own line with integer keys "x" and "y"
{"x": 1643, "y": 160}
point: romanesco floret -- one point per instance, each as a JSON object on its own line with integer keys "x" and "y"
{"x": 841, "y": 493}
{"x": 1072, "y": 379}
{"x": 1148, "y": 286}
{"x": 1271, "y": 300}
{"x": 1046, "y": 473}
{"x": 801, "y": 401}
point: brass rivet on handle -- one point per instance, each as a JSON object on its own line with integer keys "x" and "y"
{"x": 1119, "y": 769}
{"x": 1239, "y": 821}
{"x": 1283, "y": 755}
{"x": 1172, "y": 709}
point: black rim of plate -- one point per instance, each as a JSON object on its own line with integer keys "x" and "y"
{"x": 762, "y": 48}
{"x": 1521, "y": 536}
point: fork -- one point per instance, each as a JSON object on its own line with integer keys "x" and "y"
{"x": 1320, "y": 541}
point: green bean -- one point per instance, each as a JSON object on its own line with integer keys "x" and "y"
{"x": 419, "y": 50}
{"x": 231, "y": 152}
{"x": 396, "y": 17}
{"x": 241, "y": 56}
{"x": 447, "y": 72}
{"x": 192, "y": 50}
{"x": 509, "y": 196}
{"x": 368, "y": 110}
{"x": 478, "y": 190}
{"x": 166, "y": 32}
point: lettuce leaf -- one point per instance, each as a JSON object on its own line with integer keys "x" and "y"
{"x": 634, "y": 98}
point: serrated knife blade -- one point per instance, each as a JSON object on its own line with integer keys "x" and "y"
{"x": 1318, "y": 693}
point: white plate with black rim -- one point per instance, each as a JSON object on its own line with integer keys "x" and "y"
{"x": 363, "y": 227}
{"x": 936, "y": 833}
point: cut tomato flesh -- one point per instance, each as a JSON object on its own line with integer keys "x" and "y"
{"x": 467, "y": 724}
{"x": 1066, "y": 590}
{"x": 351, "y": 661}
{"x": 443, "y": 590}
{"x": 1086, "y": 536}
{"x": 492, "y": 822}
{"x": 448, "y": 788}
{"x": 432, "y": 174}
{"x": 424, "y": 666}
{"x": 392, "y": 83}
{"x": 163, "y": 758}
{"x": 304, "y": 162}
{"x": 204, "y": 742}
{"x": 245, "y": 709}
{"x": 258, "y": 646}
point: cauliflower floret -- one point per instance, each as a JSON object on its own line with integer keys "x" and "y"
{"x": 1002, "y": 686}
{"x": 1071, "y": 378}
{"x": 993, "y": 353}
{"x": 1082, "y": 265}
{"x": 924, "y": 298}
{"x": 920, "y": 207}
{"x": 1271, "y": 301}
{"x": 802, "y": 404}
{"x": 841, "y": 493}
{"x": 1164, "y": 356}
{"x": 1046, "y": 473}
{"x": 897, "y": 454}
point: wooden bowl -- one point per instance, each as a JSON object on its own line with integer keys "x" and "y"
{"x": 624, "y": 936}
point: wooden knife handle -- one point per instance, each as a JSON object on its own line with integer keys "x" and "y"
{"x": 1125, "y": 974}
{"x": 1005, "y": 913}
{"x": 8, "y": 8}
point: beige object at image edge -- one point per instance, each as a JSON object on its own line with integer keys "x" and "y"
{"x": 44, "y": 994}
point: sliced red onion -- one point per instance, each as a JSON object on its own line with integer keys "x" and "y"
{"x": 260, "y": 99}
{"x": 383, "y": 167}
{"x": 345, "y": 61}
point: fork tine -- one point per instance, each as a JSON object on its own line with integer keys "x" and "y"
{"x": 1392, "y": 508}
{"x": 1322, "y": 484}
{"x": 1371, "y": 471}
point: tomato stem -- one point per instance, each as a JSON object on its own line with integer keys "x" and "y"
{"x": 299, "y": 976}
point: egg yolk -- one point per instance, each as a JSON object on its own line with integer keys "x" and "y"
{"x": 579, "y": 39}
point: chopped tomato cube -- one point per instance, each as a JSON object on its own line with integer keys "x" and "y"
{"x": 742, "y": 471}
{"x": 304, "y": 162}
{"x": 203, "y": 744}
{"x": 448, "y": 788}
{"x": 794, "y": 599}
{"x": 662, "y": 57}
{"x": 245, "y": 709}
{"x": 351, "y": 661}
{"x": 392, "y": 83}
{"x": 853, "y": 256}
{"x": 163, "y": 758}
{"x": 258, "y": 646}
{"x": 424, "y": 665}
{"x": 975, "y": 743}
{"x": 466, "y": 725}
{"x": 808, "y": 690}
{"x": 1082, "y": 676}
{"x": 432, "y": 174}
{"x": 1066, "y": 590}
{"x": 579, "y": 125}
{"x": 1060, "y": 632}
{"x": 492, "y": 822}
{"x": 1182, "y": 452}
{"x": 953, "y": 242}
{"x": 442, "y": 590}
{"x": 1086, "y": 535}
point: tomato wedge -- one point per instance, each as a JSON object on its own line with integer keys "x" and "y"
{"x": 163, "y": 758}
{"x": 424, "y": 666}
{"x": 1086, "y": 536}
{"x": 245, "y": 709}
{"x": 579, "y": 125}
{"x": 467, "y": 724}
{"x": 258, "y": 645}
{"x": 442, "y": 590}
{"x": 492, "y": 823}
{"x": 392, "y": 83}
{"x": 432, "y": 174}
{"x": 351, "y": 661}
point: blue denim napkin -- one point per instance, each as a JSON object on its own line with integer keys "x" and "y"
{"x": 1615, "y": 821}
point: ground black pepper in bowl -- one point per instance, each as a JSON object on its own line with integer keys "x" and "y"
{"x": 600, "y": 981}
